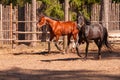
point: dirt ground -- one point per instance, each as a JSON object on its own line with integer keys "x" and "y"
{"x": 25, "y": 63}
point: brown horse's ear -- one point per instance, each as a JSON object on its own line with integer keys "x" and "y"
{"x": 40, "y": 14}
{"x": 80, "y": 13}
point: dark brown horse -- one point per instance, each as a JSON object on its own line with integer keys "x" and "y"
{"x": 96, "y": 32}
{"x": 59, "y": 28}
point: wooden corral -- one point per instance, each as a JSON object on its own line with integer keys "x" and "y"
{"x": 16, "y": 24}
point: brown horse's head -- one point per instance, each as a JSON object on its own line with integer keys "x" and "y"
{"x": 41, "y": 22}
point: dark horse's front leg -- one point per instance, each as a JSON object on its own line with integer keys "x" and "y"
{"x": 77, "y": 43}
{"x": 77, "y": 49}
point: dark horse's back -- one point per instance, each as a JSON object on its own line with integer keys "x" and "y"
{"x": 91, "y": 32}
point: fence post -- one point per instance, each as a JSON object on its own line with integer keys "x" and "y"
{"x": 11, "y": 28}
{"x": 14, "y": 28}
{"x": 66, "y": 10}
{"x": 1, "y": 33}
{"x": 34, "y": 36}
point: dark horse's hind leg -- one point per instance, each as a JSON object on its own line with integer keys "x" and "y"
{"x": 99, "y": 45}
{"x": 86, "y": 53}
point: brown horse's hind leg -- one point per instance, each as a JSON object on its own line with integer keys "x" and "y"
{"x": 68, "y": 44}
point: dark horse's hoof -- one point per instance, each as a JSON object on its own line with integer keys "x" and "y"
{"x": 85, "y": 58}
{"x": 98, "y": 58}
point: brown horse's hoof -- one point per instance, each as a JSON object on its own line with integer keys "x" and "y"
{"x": 99, "y": 57}
{"x": 63, "y": 52}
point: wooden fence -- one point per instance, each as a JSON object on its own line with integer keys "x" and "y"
{"x": 114, "y": 15}
{"x": 16, "y": 23}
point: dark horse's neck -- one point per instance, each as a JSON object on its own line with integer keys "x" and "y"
{"x": 87, "y": 22}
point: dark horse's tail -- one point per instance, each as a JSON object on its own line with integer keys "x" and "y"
{"x": 105, "y": 38}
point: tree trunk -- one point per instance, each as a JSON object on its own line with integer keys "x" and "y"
{"x": 106, "y": 12}
{"x": 34, "y": 36}
{"x": 66, "y": 10}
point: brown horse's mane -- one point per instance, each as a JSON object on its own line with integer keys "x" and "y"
{"x": 50, "y": 17}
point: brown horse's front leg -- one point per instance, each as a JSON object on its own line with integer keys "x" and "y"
{"x": 49, "y": 46}
{"x": 56, "y": 43}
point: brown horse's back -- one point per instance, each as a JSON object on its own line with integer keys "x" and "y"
{"x": 68, "y": 27}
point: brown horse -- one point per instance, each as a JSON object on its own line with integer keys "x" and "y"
{"x": 59, "y": 28}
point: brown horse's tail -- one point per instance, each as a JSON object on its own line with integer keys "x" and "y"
{"x": 105, "y": 38}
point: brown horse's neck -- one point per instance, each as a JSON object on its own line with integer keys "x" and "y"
{"x": 51, "y": 22}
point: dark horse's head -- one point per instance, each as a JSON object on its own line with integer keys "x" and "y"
{"x": 81, "y": 20}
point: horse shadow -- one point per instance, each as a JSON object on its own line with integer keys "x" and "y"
{"x": 111, "y": 55}
{"x": 106, "y": 55}
{"x": 37, "y": 53}
{"x": 92, "y": 55}
{"x": 63, "y": 59}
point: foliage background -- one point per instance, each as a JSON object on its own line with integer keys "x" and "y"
{"x": 55, "y": 8}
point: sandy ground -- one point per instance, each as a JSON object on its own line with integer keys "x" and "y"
{"x": 25, "y": 63}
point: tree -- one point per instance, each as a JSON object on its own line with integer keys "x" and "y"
{"x": 66, "y": 10}
{"x": 34, "y": 36}
{"x": 106, "y": 12}
{"x": 53, "y": 8}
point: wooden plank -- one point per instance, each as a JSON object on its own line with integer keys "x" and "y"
{"x": 14, "y": 29}
{"x": 11, "y": 29}
{"x": 27, "y": 32}
{"x": 114, "y": 36}
{"x": 1, "y": 33}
